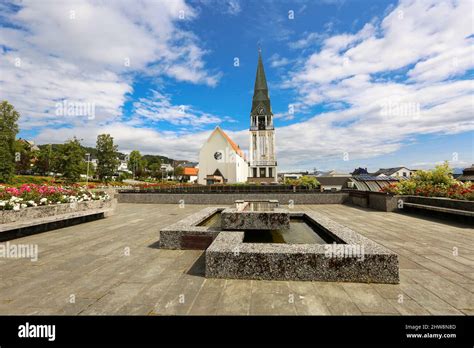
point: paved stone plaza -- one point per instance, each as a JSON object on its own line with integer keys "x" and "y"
{"x": 114, "y": 266}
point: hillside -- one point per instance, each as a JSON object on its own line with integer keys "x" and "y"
{"x": 92, "y": 150}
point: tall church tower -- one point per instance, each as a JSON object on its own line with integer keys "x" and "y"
{"x": 263, "y": 165}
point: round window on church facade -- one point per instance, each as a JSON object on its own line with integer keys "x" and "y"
{"x": 218, "y": 155}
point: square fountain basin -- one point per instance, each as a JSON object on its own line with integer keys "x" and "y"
{"x": 315, "y": 247}
{"x": 339, "y": 254}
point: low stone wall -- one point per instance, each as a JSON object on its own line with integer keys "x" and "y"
{"x": 439, "y": 202}
{"x": 382, "y": 201}
{"x": 374, "y": 200}
{"x": 358, "y": 198}
{"x": 225, "y": 198}
{"x": 40, "y": 212}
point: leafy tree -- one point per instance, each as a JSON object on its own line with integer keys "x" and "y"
{"x": 71, "y": 160}
{"x": 136, "y": 163}
{"x": 309, "y": 181}
{"x": 107, "y": 161}
{"x": 155, "y": 170}
{"x": 44, "y": 160}
{"x": 306, "y": 181}
{"x": 178, "y": 173}
{"x": 23, "y": 157}
{"x": 437, "y": 182}
{"x": 8, "y": 130}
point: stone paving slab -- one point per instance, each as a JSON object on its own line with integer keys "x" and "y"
{"x": 114, "y": 266}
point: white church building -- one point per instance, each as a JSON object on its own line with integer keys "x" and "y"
{"x": 221, "y": 160}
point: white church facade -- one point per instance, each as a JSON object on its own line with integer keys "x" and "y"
{"x": 222, "y": 161}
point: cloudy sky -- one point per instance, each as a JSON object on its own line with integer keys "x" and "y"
{"x": 352, "y": 83}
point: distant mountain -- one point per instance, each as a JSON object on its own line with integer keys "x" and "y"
{"x": 457, "y": 170}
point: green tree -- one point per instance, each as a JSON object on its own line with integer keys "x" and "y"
{"x": 306, "y": 181}
{"x": 23, "y": 156}
{"x": 136, "y": 163}
{"x": 8, "y": 131}
{"x": 155, "y": 170}
{"x": 44, "y": 160}
{"x": 178, "y": 173}
{"x": 107, "y": 161}
{"x": 71, "y": 160}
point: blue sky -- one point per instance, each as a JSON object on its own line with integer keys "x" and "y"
{"x": 372, "y": 83}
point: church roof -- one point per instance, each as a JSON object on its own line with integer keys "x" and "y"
{"x": 260, "y": 93}
{"x": 234, "y": 146}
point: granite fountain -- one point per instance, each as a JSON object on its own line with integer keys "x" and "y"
{"x": 262, "y": 240}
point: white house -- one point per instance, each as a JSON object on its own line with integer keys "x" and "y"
{"x": 221, "y": 160}
{"x": 123, "y": 167}
{"x": 397, "y": 172}
{"x": 166, "y": 167}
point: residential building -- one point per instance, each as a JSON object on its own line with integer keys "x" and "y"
{"x": 396, "y": 172}
{"x": 190, "y": 174}
{"x": 467, "y": 174}
{"x": 123, "y": 167}
{"x": 332, "y": 183}
{"x": 291, "y": 175}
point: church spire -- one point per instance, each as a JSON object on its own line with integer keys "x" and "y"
{"x": 260, "y": 93}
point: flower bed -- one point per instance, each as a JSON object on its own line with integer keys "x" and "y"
{"x": 462, "y": 191}
{"x": 31, "y": 195}
{"x": 438, "y": 182}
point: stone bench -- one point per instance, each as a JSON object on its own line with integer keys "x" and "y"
{"x": 53, "y": 215}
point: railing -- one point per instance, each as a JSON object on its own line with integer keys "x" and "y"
{"x": 263, "y": 163}
{"x": 253, "y": 128}
{"x": 270, "y": 188}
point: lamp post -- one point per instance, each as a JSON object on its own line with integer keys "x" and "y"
{"x": 88, "y": 160}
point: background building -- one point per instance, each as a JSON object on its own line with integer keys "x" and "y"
{"x": 467, "y": 174}
{"x": 396, "y": 172}
{"x": 221, "y": 160}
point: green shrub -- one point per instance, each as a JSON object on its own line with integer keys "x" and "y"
{"x": 307, "y": 181}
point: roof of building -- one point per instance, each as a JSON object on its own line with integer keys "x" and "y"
{"x": 368, "y": 177}
{"x": 388, "y": 171}
{"x": 465, "y": 178}
{"x": 332, "y": 180}
{"x": 371, "y": 183}
{"x": 319, "y": 173}
{"x": 359, "y": 171}
{"x": 189, "y": 164}
{"x": 234, "y": 146}
{"x": 467, "y": 174}
{"x": 190, "y": 171}
{"x": 468, "y": 170}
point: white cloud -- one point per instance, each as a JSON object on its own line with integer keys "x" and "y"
{"x": 276, "y": 61}
{"x": 308, "y": 40}
{"x": 160, "y": 108}
{"x": 230, "y": 7}
{"x": 427, "y": 44}
{"x": 89, "y": 51}
{"x": 430, "y": 40}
